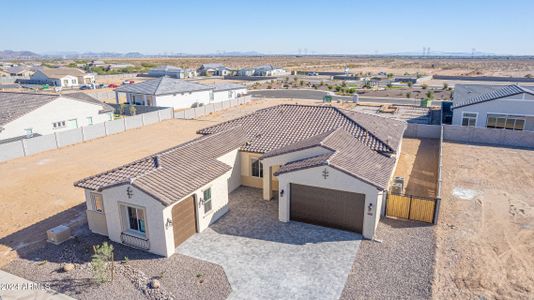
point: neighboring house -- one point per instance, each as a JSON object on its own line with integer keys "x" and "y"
{"x": 269, "y": 70}
{"x": 172, "y": 71}
{"x": 406, "y": 79}
{"x": 213, "y": 70}
{"x": 62, "y": 77}
{"x": 26, "y": 114}
{"x": 245, "y": 72}
{"x": 118, "y": 66}
{"x": 20, "y": 71}
{"x": 178, "y": 94}
{"x": 493, "y": 106}
{"x": 4, "y": 73}
{"x": 326, "y": 166}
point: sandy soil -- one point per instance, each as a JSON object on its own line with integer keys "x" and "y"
{"x": 37, "y": 192}
{"x": 418, "y": 165}
{"x": 485, "y": 245}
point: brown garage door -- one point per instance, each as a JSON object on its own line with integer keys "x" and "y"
{"x": 325, "y": 207}
{"x": 183, "y": 220}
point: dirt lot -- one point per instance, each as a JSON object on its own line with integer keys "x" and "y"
{"x": 36, "y": 192}
{"x": 418, "y": 165}
{"x": 485, "y": 237}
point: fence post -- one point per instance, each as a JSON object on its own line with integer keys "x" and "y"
{"x": 23, "y": 147}
{"x": 437, "y": 204}
{"x": 410, "y": 209}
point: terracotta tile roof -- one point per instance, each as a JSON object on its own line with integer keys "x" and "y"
{"x": 173, "y": 174}
{"x": 282, "y": 125}
{"x": 348, "y": 155}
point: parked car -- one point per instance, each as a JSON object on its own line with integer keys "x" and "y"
{"x": 313, "y": 74}
{"x": 113, "y": 86}
{"x": 85, "y": 87}
{"x": 128, "y": 82}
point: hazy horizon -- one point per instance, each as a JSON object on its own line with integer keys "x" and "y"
{"x": 337, "y": 27}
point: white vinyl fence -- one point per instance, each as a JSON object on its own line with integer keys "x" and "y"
{"x": 60, "y": 139}
{"x": 197, "y": 112}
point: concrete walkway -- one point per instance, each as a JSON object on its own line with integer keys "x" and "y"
{"x": 267, "y": 259}
{"x": 14, "y": 287}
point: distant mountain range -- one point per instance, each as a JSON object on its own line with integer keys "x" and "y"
{"x": 11, "y": 55}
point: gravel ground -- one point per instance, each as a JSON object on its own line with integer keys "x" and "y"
{"x": 400, "y": 267}
{"x": 181, "y": 277}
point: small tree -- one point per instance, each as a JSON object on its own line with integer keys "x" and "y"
{"x": 390, "y": 75}
{"x": 122, "y": 108}
{"x": 321, "y": 83}
{"x": 429, "y": 95}
{"x": 301, "y": 82}
{"x": 389, "y": 85}
{"x": 133, "y": 110}
{"x": 424, "y": 86}
{"x": 408, "y": 95}
{"x": 338, "y": 88}
{"x": 102, "y": 263}
{"x": 410, "y": 84}
{"x": 343, "y": 83}
{"x": 445, "y": 86}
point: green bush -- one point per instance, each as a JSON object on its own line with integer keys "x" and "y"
{"x": 102, "y": 263}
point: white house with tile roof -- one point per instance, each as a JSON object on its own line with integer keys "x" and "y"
{"x": 27, "y": 114}
{"x": 62, "y": 77}
{"x": 178, "y": 94}
{"x": 327, "y": 166}
{"x": 494, "y": 106}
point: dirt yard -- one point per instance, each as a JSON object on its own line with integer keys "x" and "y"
{"x": 418, "y": 165}
{"x": 37, "y": 192}
{"x": 485, "y": 236}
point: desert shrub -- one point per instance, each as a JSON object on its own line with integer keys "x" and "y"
{"x": 424, "y": 86}
{"x": 408, "y": 95}
{"x": 445, "y": 85}
{"x": 133, "y": 110}
{"x": 102, "y": 263}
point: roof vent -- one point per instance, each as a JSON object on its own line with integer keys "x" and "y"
{"x": 156, "y": 161}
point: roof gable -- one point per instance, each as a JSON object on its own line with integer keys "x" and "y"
{"x": 506, "y": 91}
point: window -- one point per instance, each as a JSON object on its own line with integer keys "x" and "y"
{"x": 89, "y": 120}
{"x": 58, "y": 125}
{"x": 505, "y": 122}
{"x": 65, "y": 82}
{"x": 74, "y": 81}
{"x": 136, "y": 219}
{"x": 97, "y": 201}
{"x": 207, "y": 200}
{"x": 110, "y": 116}
{"x": 257, "y": 168}
{"x": 469, "y": 119}
{"x": 28, "y": 132}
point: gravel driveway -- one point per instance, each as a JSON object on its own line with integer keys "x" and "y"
{"x": 401, "y": 267}
{"x": 267, "y": 259}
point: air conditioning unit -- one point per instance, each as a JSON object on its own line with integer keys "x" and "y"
{"x": 397, "y": 189}
{"x": 400, "y": 181}
{"x": 59, "y": 234}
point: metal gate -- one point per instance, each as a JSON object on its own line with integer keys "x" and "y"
{"x": 411, "y": 207}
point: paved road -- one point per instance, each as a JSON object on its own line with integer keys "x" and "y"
{"x": 264, "y": 258}
{"x": 318, "y": 95}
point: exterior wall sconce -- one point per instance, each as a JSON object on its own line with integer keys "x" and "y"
{"x": 168, "y": 223}
{"x": 281, "y": 193}
{"x": 370, "y": 209}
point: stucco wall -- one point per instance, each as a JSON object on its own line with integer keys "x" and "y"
{"x": 182, "y": 100}
{"x": 521, "y": 104}
{"x": 246, "y": 172}
{"x": 62, "y": 109}
{"x": 336, "y": 180}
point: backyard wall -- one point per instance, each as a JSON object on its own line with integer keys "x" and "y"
{"x": 57, "y": 140}
{"x": 197, "y": 112}
{"x": 422, "y": 131}
{"x": 489, "y": 136}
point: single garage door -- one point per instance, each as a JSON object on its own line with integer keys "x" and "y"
{"x": 326, "y": 207}
{"x": 184, "y": 222}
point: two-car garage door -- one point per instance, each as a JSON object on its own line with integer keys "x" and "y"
{"x": 326, "y": 207}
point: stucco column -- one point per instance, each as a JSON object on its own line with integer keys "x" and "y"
{"x": 267, "y": 183}
{"x": 117, "y": 97}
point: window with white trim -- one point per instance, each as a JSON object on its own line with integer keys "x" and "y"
{"x": 89, "y": 120}
{"x": 58, "y": 125}
{"x": 97, "y": 202}
{"x": 469, "y": 119}
{"x": 502, "y": 121}
{"x": 257, "y": 168}
{"x": 136, "y": 220}
{"x": 207, "y": 200}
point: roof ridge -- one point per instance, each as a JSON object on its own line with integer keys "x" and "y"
{"x": 495, "y": 94}
{"x": 341, "y": 111}
{"x": 159, "y": 83}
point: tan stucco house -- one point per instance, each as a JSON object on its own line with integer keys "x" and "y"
{"x": 326, "y": 166}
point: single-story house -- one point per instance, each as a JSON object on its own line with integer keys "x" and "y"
{"x": 62, "y": 77}
{"x": 171, "y": 71}
{"x": 269, "y": 70}
{"x": 246, "y": 72}
{"x": 327, "y": 166}
{"x": 406, "y": 79}
{"x": 4, "y": 73}
{"x": 20, "y": 71}
{"x": 494, "y": 106}
{"x": 177, "y": 93}
{"x": 25, "y": 114}
{"x": 213, "y": 70}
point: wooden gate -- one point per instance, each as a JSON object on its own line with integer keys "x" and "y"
{"x": 411, "y": 207}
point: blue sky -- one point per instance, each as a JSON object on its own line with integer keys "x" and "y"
{"x": 271, "y": 27}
